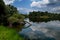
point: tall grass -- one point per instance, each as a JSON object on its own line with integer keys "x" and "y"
{"x": 9, "y": 34}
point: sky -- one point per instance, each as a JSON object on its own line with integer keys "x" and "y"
{"x": 26, "y": 6}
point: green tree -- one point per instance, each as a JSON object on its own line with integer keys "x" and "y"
{"x": 43, "y": 16}
{"x": 18, "y": 18}
{"x": 11, "y": 10}
{"x": 3, "y": 13}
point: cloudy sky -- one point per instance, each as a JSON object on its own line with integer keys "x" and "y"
{"x": 26, "y": 6}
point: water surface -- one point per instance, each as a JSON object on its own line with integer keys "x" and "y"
{"x": 42, "y": 30}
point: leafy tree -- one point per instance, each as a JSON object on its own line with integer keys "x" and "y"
{"x": 3, "y": 13}
{"x": 43, "y": 16}
{"x": 11, "y": 10}
{"x": 9, "y": 13}
{"x": 15, "y": 18}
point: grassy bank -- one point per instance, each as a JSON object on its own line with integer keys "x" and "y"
{"x": 9, "y": 34}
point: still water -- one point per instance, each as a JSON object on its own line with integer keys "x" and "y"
{"x": 42, "y": 30}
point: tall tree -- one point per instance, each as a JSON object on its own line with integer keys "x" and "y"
{"x": 2, "y": 12}
{"x": 11, "y": 10}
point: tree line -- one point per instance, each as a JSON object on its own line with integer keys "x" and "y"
{"x": 43, "y": 16}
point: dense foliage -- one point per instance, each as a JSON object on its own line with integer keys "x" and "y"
{"x": 9, "y": 14}
{"x": 43, "y": 16}
{"x": 3, "y": 13}
{"x": 26, "y": 15}
{"x": 11, "y": 10}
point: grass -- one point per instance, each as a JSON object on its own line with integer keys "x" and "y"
{"x": 9, "y": 34}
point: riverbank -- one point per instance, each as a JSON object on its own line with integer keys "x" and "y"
{"x": 9, "y": 34}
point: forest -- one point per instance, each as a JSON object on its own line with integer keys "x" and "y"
{"x": 43, "y": 16}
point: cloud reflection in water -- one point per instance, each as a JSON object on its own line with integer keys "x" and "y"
{"x": 42, "y": 30}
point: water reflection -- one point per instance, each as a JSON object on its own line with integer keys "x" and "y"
{"x": 42, "y": 31}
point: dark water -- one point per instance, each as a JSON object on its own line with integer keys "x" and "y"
{"x": 42, "y": 30}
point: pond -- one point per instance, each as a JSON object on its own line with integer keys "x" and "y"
{"x": 41, "y": 30}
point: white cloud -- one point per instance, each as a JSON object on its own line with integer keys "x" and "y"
{"x": 56, "y": 9}
{"x": 8, "y": 1}
{"x": 54, "y": 1}
{"x": 25, "y": 10}
{"x": 42, "y": 3}
{"x": 39, "y": 3}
